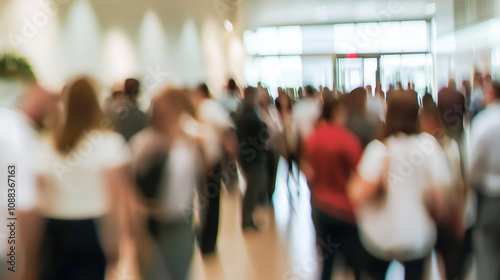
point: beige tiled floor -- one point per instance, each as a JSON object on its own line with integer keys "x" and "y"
{"x": 283, "y": 249}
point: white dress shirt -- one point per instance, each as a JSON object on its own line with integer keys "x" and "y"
{"x": 485, "y": 152}
{"x": 306, "y": 113}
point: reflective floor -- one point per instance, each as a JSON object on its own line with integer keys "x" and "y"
{"x": 283, "y": 248}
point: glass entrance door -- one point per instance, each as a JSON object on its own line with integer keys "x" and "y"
{"x": 356, "y": 72}
{"x": 416, "y": 69}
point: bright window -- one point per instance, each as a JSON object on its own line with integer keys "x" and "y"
{"x": 344, "y": 38}
{"x": 414, "y": 36}
{"x": 317, "y": 39}
{"x": 290, "y": 40}
{"x": 267, "y": 41}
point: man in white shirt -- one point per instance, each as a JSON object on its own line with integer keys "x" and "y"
{"x": 306, "y": 113}
{"x": 18, "y": 144}
{"x": 375, "y": 103}
{"x": 477, "y": 102}
{"x": 485, "y": 176}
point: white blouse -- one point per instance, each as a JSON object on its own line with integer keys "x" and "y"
{"x": 74, "y": 184}
{"x": 400, "y": 226}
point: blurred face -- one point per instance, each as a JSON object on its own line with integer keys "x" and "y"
{"x": 37, "y": 104}
{"x": 171, "y": 114}
{"x": 427, "y": 123}
{"x": 489, "y": 95}
{"x": 263, "y": 97}
{"x": 165, "y": 116}
{"x": 196, "y": 98}
{"x": 340, "y": 116}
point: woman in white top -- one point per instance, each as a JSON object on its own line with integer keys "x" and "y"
{"x": 397, "y": 178}
{"x": 168, "y": 191}
{"x": 83, "y": 181}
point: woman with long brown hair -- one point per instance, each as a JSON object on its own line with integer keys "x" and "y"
{"x": 82, "y": 186}
{"x": 397, "y": 179}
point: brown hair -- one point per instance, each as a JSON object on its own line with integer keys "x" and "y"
{"x": 330, "y": 106}
{"x": 81, "y": 113}
{"x": 429, "y": 108}
{"x": 402, "y": 116}
{"x": 177, "y": 98}
{"x": 132, "y": 88}
{"x": 357, "y": 100}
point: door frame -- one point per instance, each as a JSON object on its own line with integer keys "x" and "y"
{"x": 363, "y": 56}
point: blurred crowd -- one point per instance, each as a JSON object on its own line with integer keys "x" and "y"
{"x": 393, "y": 175}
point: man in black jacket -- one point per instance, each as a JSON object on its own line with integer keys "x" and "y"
{"x": 252, "y": 134}
{"x": 451, "y": 105}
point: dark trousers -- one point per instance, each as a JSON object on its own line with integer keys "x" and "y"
{"x": 71, "y": 250}
{"x": 486, "y": 238}
{"x": 272, "y": 170}
{"x": 377, "y": 269}
{"x": 272, "y": 166}
{"x": 336, "y": 236}
{"x": 256, "y": 176}
{"x": 230, "y": 173}
{"x": 210, "y": 201}
{"x": 454, "y": 253}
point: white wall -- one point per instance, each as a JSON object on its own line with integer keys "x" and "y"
{"x": 161, "y": 42}
{"x": 460, "y": 52}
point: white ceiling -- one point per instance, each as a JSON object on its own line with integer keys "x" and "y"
{"x": 291, "y": 12}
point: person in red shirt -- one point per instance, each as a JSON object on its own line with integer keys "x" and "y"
{"x": 331, "y": 154}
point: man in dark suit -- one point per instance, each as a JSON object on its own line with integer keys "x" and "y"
{"x": 451, "y": 105}
{"x": 252, "y": 134}
{"x": 130, "y": 119}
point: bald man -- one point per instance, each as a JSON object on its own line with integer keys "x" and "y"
{"x": 18, "y": 145}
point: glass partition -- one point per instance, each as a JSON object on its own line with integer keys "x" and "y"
{"x": 274, "y": 71}
{"x": 416, "y": 68}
